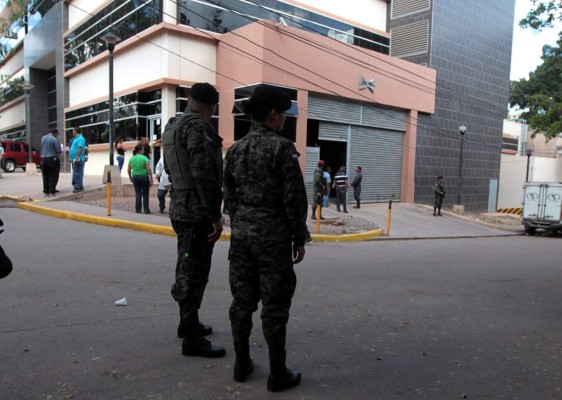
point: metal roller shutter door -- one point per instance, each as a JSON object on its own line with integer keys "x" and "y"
{"x": 379, "y": 153}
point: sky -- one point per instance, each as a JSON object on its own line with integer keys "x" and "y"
{"x": 527, "y": 43}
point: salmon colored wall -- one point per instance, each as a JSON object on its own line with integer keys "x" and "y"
{"x": 312, "y": 63}
{"x": 294, "y": 58}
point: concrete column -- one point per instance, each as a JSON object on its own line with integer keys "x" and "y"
{"x": 409, "y": 158}
{"x": 170, "y": 11}
{"x": 226, "y": 118}
{"x": 168, "y": 103}
{"x": 302, "y": 119}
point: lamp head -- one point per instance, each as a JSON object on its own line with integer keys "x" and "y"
{"x": 110, "y": 40}
{"x": 462, "y": 129}
{"x": 27, "y": 87}
{"x": 529, "y": 151}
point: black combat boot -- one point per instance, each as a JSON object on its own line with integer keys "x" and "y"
{"x": 194, "y": 344}
{"x": 313, "y": 216}
{"x": 244, "y": 364}
{"x": 205, "y": 330}
{"x": 434, "y": 211}
{"x": 281, "y": 377}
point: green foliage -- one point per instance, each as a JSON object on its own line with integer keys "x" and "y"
{"x": 12, "y": 91}
{"x": 544, "y": 14}
{"x": 540, "y": 97}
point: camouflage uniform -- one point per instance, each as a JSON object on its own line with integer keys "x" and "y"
{"x": 193, "y": 210}
{"x": 319, "y": 187}
{"x": 265, "y": 192}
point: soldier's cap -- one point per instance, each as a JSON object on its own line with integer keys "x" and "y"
{"x": 321, "y": 163}
{"x": 274, "y": 98}
{"x": 204, "y": 93}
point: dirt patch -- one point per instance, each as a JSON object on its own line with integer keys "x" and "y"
{"x": 334, "y": 224}
{"x": 497, "y": 219}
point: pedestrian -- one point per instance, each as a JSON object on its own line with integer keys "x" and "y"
{"x": 1, "y": 159}
{"x": 319, "y": 188}
{"x": 328, "y": 179}
{"x": 50, "y": 162}
{"x": 120, "y": 148}
{"x": 145, "y": 142}
{"x": 439, "y": 191}
{"x": 141, "y": 176}
{"x": 163, "y": 184}
{"x": 193, "y": 159}
{"x": 356, "y": 185}
{"x": 78, "y": 159}
{"x": 341, "y": 184}
{"x": 265, "y": 192}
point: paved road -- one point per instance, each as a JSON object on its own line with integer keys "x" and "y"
{"x": 423, "y": 319}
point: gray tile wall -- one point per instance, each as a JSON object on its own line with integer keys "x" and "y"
{"x": 471, "y": 50}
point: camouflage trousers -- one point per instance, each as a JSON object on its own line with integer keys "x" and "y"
{"x": 192, "y": 267}
{"x": 261, "y": 270}
{"x": 438, "y": 201}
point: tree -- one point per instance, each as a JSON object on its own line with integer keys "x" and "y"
{"x": 541, "y": 95}
{"x": 544, "y": 14}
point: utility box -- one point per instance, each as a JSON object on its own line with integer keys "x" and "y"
{"x": 542, "y": 206}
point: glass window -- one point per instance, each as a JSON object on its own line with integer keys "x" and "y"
{"x": 123, "y": 18}
{"x": 129, "y": 117}
{"x": 225, "y": 15}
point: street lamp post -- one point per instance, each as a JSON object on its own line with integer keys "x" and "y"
{"x": 27, "y": 90}
{"x": 529, "y": 153}
{"x": 462, "y": 130}
{"x": 111, "y": 40}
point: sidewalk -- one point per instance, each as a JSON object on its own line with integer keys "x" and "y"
{"x": 408, "y": 221}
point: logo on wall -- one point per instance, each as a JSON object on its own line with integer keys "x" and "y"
{"x": 365, "y": 84}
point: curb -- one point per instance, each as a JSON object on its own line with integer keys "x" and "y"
{"x": 167, "y": 230}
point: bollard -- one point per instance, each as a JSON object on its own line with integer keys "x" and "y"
{"x": 109, "y": 192}
{"x": 318, "y": 214}
{"x": 388, "y": 218}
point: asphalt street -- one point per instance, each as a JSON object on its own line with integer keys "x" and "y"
{"x": 474, "y": 318}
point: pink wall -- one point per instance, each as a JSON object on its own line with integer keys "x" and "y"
{"x": 311, "y": 63}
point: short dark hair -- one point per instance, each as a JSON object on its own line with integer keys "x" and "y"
{"x": 359, "y": 168}
{"x": 54, "y": 131}
{"x": 440, "y": 177}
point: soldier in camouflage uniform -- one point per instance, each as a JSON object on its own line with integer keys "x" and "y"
{"x": 319, "y": 182}
{"x": 265, "y": 192}
{"x": 193, "y": 158}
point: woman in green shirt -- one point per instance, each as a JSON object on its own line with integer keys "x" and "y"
{"x": 141, "y": 176}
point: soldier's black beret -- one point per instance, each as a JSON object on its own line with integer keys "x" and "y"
{"x": 205, "y": 93}
{"x": 273, "y": 97}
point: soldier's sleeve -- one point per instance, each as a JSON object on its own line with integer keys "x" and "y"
{"x": 201, "y": 164}
{"x": 294, "y": 192}
{"x": 229, "y": 185}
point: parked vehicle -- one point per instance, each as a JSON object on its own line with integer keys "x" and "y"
{"x": 542, "y": 206}
{"x": 16, "y": 155}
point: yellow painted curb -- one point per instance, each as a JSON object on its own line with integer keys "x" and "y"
{"x": 350, "y": 237}
{"x": 168, "y": 230}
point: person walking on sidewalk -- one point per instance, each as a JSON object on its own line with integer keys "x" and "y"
{"x": 1, "y": 159}
{"x": 266, "y": 196}
{"x": 319, "y": 189}
{"x": 50, "y": 163}
{"x": 356, "y": 185}
{"x": 78, "y": 159}
{"x": 120, "y": 147}
{"x": 163, "y": 184}
{"x": 341, "y": 184}
{"x": 439, "y": 191}
{"x": 193, "y": 160}
{"x": 328, "y": 179}
{"x": 141, "y": 176}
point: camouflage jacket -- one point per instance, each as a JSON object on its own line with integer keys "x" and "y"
{"x": 264, "y": 188}
{"x": 204, "y": 146}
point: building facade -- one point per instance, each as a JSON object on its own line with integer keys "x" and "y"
{"x": 360, "y": 96}
{"x": 469, "y": 45}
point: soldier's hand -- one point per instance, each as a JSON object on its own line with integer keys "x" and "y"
{"x": 298, "y": 254}
{"x": 217, "y": 230}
